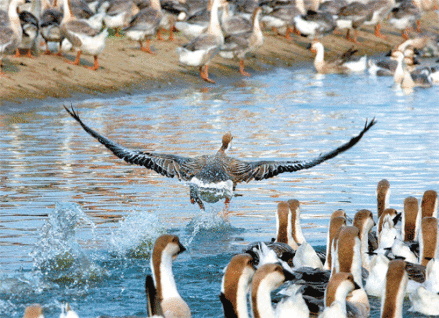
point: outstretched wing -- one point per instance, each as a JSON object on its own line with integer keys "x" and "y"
{"x": 167, "y": 165}
{"x": 259, "y": 170}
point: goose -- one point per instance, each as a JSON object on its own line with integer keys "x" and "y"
{"x": 343, "y": 64}
{"x": 428, "y": 240}
{"x": 164, "y": 289}
{"x": 429, "y": 204}
{"x": 387, "y": 66}
{"x": 11, "y": 33}
{"x": 84, "y": 38}
{"x": 363, "y": 220}
{"x": 30, "y": 26}
{"x": 266, "y": 279}
{"x": 375, "y": 282}
{"x": 425, "y": 299}
{"x": 336, "y": 223}
{"x": 235, "y": 24}
{"x": 235, "y": 286}
{"x": 411, "y": 219}
{"x": 173, "y": 11}
{"x": 394, "y": 291}
{"x": 239, "y": 44}
{"x": 347, "y": 253}
{"x": 281, "y": 19}
{"x": 383, "y": 195}
{"x": 339, "y": 286}
{"x": 50, "y": 22}
{"x": 196, "y": 22}
{"x": 33, "y": 311}
{"x": 404, "y": 17}
{"x": 352, "y": 16}
{"x": 315, "y": 24}
{"x": 119, "y": 13}
{"x": 381, "y": 9}
{"x": 144, "y": 25}
{"x": 218, "y": 169}
{"x": 203, "y": 48}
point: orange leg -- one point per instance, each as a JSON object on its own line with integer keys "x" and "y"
{"x": 205, "y": 74}
{"x": 287, "y": 33}
{"x": 274, "y": 30}
{"x": 59, "y": 49}
{"x": 95, "y": 65}
{"x": 17, "y": 53}
{"x": 76, "y": 62}
{"x": 29, "y": 53}
{"x": 146, "y": 49}
{"x": 159, "y": 35}
{"x": 348, "y": 36}
{"x": 418, "y": 26}
{"x": 405, "y": 34}
{"x": 171, "y": 34}
{"x": 297, "y": 32}
{"x": 378, "y": 31}
{"x": 47, "y": 52}
{"x": 241, "y": 68}
{"x": 117, "y": 32}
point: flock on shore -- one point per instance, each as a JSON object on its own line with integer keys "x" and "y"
{"x": 228, "y": 28}
{"x": 391, "y": 262}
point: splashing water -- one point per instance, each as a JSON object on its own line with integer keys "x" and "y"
{"x": 207, "y": 223}
{"x": 58, "y": 254}
{"x": 135, "y": 235}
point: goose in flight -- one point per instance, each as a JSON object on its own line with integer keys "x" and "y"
{"x": 213, "y": 177}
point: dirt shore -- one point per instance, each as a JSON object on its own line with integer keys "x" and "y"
{"x": 125, "y": 68}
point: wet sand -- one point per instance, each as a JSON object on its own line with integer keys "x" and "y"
{"x": 124, "y": 68}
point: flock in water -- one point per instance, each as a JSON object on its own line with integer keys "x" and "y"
{"x": 389, "y": 262}
{"x": 231, "y": 29}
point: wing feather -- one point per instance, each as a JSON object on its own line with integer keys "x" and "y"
{"x": 259, "y": 170}
{"x": 167, "y": 165}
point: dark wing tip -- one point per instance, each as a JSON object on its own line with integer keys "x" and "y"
{"x": 72, "y": 112}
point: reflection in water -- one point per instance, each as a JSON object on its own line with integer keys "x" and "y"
{"x": 287, "y": 114}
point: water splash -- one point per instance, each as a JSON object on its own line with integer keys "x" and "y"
{"x": 135, "y": 235}
{"x": 207, "y": 223}
{"x": 58, "y": 254}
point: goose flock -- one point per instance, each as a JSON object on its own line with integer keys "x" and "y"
{"x": 230, "y": 29}
{"x": 391, "y": 262}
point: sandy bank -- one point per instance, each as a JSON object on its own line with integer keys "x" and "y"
{"x": 124, "y": 67}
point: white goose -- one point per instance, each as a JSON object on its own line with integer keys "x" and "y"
{"x": 203, "y": 48}
{"x": 11, "y": 33}
{"x": 83, "y": 37}
{"x": 342, "y": 65}
{"x": 425, "y": 299}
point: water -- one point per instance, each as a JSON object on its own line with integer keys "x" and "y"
{"x": 77, "y": 224}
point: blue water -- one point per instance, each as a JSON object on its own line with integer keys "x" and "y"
{"x": 77, "y": 224}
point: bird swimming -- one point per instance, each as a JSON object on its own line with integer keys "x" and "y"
{"x": 214, "y": 177}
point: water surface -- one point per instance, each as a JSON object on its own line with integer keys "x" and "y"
{"x": 77, "y": 224}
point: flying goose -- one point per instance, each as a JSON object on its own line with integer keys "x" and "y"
{"x": 218, "y": 169}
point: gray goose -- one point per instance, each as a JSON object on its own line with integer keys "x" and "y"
{"x": 238, "y": 45}
{"x": 218, "y": 170}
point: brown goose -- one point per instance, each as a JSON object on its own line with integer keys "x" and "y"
{"x": 216, "y": 173}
